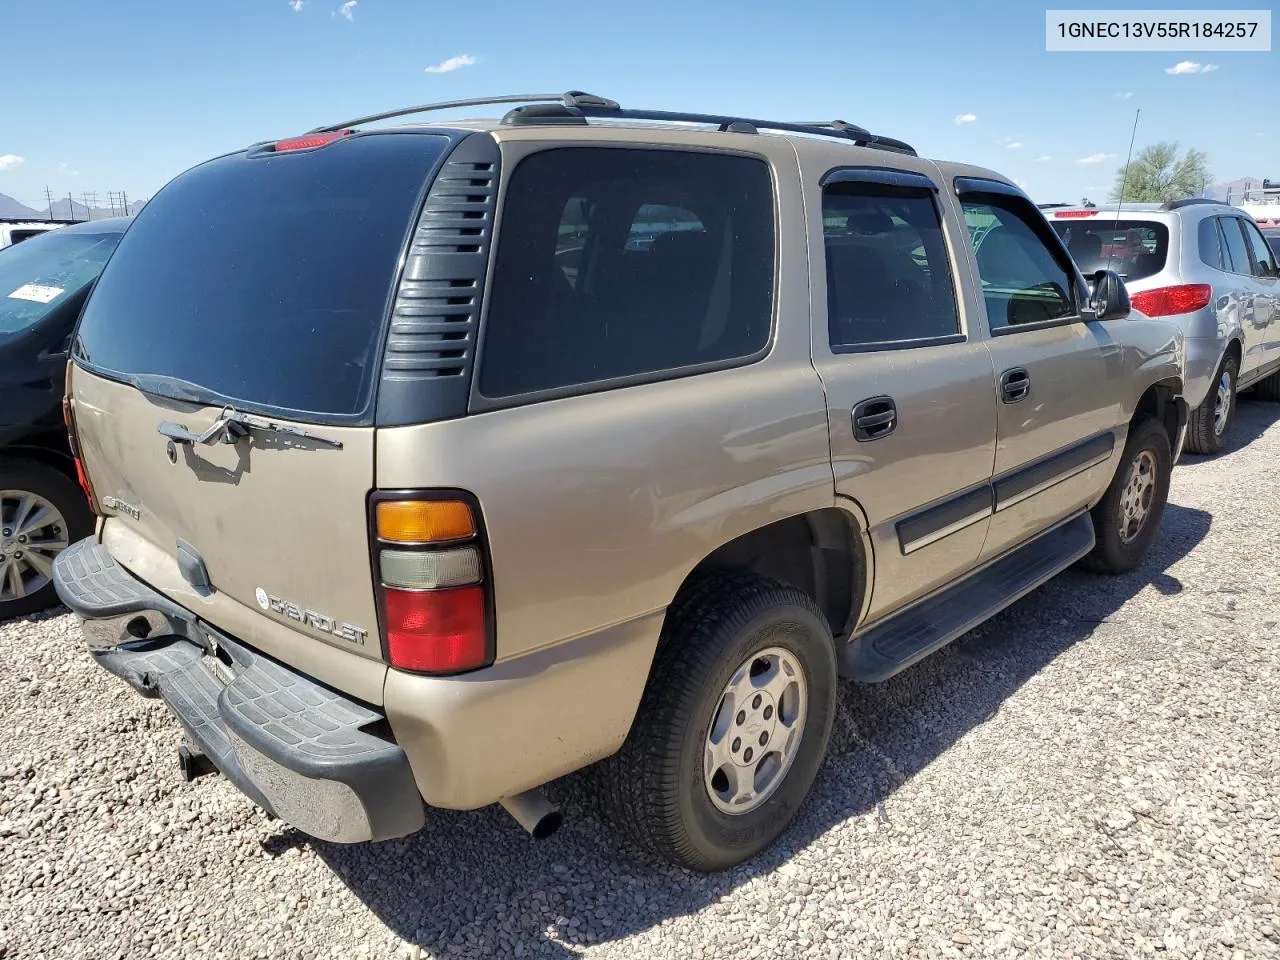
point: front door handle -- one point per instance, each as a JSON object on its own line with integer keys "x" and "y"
{"x": 874, "y": 418}
{"x": 1015, "y": 385}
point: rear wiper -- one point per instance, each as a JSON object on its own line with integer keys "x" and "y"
{"x": 232, "y": 424}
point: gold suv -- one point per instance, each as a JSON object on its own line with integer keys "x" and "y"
{"x": 434, "y": 462}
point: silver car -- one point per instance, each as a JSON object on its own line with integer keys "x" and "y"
{"x": 1206, "y": 266}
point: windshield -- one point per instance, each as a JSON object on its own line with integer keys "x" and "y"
{"x": 40, "y": 275}
{"x": 1132, "y": 248}
{"x": 264, "y": 278}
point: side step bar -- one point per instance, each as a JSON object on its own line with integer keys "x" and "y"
{"x": 895, "y": 644}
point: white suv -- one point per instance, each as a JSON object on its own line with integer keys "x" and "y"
{"x": 1206, "y": 266}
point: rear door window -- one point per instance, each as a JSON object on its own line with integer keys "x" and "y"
{"x": 1022, "y": 281}
{"x": 265, "y": 277}
{"x": 618, "y": 264}
{"x": 888, "y": 274}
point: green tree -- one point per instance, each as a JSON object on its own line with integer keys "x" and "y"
{"x": 1157, "y": 174}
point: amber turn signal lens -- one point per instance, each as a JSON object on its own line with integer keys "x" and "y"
{"x": 424, "y": 521}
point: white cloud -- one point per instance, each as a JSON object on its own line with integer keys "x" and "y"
{"x": 453, "y": 63}
{"x": 1013, "y": 145}
{"x": 962, "y": 118}
{"x": 1190, "y": 66}
{"x": 1045, "y": 159}
{"x": 1124, "y": 96}
{"x": 1097, "y": 158}
{"x": 11, "y": 161}
{"x": 64, "y": 167}
{"x": 297, "y": 5}
{"x": 348, "y": 9}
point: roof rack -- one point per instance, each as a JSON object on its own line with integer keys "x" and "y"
{"x": 575, "y": 107}
{"x": 1190, "y": 201}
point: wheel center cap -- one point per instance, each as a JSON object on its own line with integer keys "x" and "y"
{"x": 9, "y": 546}
{"x": 760, "y": 724}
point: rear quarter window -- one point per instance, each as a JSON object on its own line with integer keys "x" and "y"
{"x": 614, "y": 264}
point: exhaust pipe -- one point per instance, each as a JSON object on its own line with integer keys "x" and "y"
{"x": 534, "y": 812}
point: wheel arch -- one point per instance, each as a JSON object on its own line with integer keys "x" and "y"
{"x": 1159, "y": 402}
{"x": 824, "y": 553}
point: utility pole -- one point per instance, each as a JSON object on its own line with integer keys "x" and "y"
{"x": 124, "y": 195}
{"x": 48, "y": 198}
{"x": 71, "y": 207}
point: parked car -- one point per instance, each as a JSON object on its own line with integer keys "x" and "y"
{"x": 43, "y": 285}
{"x": 405, "y": 501}
{"x": 15, "y": 230}
{"x": 1205, "y": 266}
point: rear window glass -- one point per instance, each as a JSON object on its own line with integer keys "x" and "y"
{"x": 42, "y": 274}
{"x": 265, "y": 278}
{"x": 1132, "y": 248}
{"x": 616, "y": 263}
{"x": 888, "y": 277}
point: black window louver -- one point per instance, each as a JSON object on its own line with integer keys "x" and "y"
{"x": 430, "y": 349}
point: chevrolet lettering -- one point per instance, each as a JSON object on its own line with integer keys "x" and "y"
{"x": 316, "y": 621}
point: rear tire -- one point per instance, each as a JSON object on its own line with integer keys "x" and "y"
{"x": 689, "y": 756}
{"x": 1268, "y": 388}
{"x": 24, "y": 587}
{"x": 1127, "y": 518}
{"x": 1206, "y": 430}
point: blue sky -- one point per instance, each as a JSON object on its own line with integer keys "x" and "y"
{"x": 125, "y": 95}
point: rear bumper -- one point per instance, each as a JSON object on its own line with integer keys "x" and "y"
{"x": 296, "y": 748}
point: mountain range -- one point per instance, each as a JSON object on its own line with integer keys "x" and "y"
{"x": 63, "y": 209}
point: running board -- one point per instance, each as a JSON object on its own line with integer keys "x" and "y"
{"x": 909, "y": 636}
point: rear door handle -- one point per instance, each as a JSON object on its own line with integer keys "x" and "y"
{"x": 1015, "y": 385}
{"x": 874, "y": 418}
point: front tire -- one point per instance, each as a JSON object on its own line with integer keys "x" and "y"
{"x": 1209, "y": 423}
{"x": 733, "y": 724}
{"x": 1127, "y": 518}
{"x": 42, "y": 511}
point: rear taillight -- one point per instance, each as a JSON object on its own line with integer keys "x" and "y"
{"x": 433, "y": 589}
{"x": 73, "y": 441}
{"x": 1168, "y": 301}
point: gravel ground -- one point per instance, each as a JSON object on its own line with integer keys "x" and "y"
{"x": 1093, "y": 773}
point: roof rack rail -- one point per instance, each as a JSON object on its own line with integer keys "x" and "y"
{"x": 1190, "y": 201}
{"x": 571, "y": 99}
{"x": 579, "y": 112}
{"x": 575, "y": 107}
{"x": 1055, "y": 206}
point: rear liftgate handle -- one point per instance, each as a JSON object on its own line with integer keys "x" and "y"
{"x": 874, "y": 418}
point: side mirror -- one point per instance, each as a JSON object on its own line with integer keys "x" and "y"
{"x": 1110, "y": 299}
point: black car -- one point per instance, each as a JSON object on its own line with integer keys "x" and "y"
{"x": 43, "y": 284}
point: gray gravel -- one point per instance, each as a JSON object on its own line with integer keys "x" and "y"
{"x": 1093, "y": 773}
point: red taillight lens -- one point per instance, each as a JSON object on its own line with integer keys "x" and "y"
{"x": 435, "y": 631}
{"x": 309, "y": 141}
{"x": 1168, "y": 301}
{"x": 1075, "y": 214}
{"x": 73, "y": 441}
